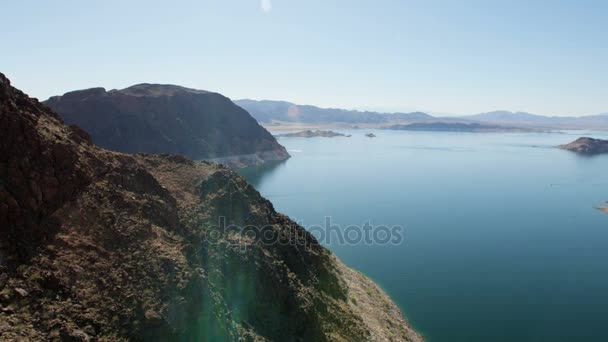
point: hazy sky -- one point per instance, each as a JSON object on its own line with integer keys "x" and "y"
{"x": 546, "y": 57}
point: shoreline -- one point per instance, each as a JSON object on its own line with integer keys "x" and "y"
{"x": 281, "y": 126}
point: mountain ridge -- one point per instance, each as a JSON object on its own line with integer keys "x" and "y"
{"x": 270, "y": 111}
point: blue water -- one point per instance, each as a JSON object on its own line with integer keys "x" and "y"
{"x": 502, "y": 242}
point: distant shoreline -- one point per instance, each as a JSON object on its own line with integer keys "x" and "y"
{"x": 302, "y": 126}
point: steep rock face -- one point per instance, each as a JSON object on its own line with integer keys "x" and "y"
{"x": 154, "y": 118}
{"x": 40, "y": 168}
{"x": 99, "y": 245}
{"x": 587, "y": 146}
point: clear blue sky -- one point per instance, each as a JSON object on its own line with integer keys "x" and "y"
{"x": 546, "y": 57}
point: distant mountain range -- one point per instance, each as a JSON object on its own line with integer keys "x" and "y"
{"x": 599, "y": 121}
{"x": 266, "y": 111}
{"x": 454, "y": 127}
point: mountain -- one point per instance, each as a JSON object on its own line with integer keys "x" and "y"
{"x": 452, "y": 127}
{"x": 266, "y": 111}
{"x": 587, "y": 146}
{"x": 506, "y": 116}
{"x": 602, "y": 116}
{"x": 100, "y": 245}
{"x": 156, "y": 118}
{"x": 524, "y": 119}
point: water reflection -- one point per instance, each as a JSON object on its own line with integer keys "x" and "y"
{"x": 256, "y": 175}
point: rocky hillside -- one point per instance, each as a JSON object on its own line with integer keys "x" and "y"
{"x": 154, "y": 118}
{"x": 587, "y": 146}
{"x": 102, "y": 246}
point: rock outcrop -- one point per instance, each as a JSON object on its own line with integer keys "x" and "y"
{"x": 102, "y": 246}
{"x": 155, "y": 118}
{"x": 588, "y": 146}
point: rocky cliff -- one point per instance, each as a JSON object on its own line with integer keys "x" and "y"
{"x": 587, "y": 146}
{"x": 155, "y": 118}
{"x": 100, "y": 245}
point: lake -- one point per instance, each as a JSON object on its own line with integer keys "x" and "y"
{"x": 501, "y": 238}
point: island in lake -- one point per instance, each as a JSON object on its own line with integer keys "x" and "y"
{"x": 586, "y": 145}
{"x": 312, "y": 134}
{"x": 370, "y": 135}
{"x": 453, "y": 127}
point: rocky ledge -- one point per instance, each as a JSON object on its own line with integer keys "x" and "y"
{"x": 103, "y": 246}
{"x": 587, "y": 146}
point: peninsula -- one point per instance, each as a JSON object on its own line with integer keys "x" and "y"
{"x": 311, "y": 134}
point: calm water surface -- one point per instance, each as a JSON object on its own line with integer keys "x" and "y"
{"x": 501, "y": 239}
